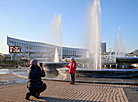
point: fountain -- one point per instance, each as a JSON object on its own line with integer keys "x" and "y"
{"x": 117, "y": 47}
{"x": 87, "y": 54}
{"x": 123, "y": 45}
{"x": 94, "y": 48}
{"x": 56, "y": 56}
{"x": 56, "y": 26}
{"x": 94, "y": 35}
{"x": 120, "y": 45}
{"x": 55, "y": 34}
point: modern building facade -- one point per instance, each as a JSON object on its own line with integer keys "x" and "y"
{"x": 30, "y": 50}
{"x": 103, "y": 47}
{"x": 136, "y": 52}
{"x": 41, "y": 50}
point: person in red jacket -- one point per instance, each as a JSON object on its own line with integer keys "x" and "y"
{"x": 72, "y": 69}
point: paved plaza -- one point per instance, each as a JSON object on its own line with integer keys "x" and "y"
{"x": 64, "y": 92}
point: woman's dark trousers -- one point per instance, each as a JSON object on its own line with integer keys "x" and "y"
{"x": 39, "y": 89}
{"x": 72, "y": 77}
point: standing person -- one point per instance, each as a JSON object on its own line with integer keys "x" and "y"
{"x": 35, "y": 84}
{"x": 72, "y": 69}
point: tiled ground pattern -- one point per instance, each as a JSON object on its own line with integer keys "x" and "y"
{"x": 64, "y": 92}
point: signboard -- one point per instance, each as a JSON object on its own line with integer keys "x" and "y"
{"x": 14, "y": 49}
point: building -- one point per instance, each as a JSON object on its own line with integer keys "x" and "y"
{"x": 41, "y": 50}
{"x": 136, "y": 52}
{"x": 103, "y": 47}
{"x": 30, "y": 50}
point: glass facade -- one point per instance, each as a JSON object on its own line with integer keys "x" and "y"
{"x": 67, "y": 52}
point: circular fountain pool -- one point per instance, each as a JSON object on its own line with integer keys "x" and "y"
{"x": 50, "y": 67}
{"x": 101, "y": 73}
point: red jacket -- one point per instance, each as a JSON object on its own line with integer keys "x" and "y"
{"x": 72, "y": 67}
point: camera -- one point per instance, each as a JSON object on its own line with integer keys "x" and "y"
{"x": 41, "y": 64}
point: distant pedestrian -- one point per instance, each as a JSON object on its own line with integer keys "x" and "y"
{"x": 35, "y": 84}
{"x": 72, "y": 69}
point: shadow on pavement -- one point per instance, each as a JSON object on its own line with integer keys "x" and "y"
{"x": 51, "y": 99}
{"x": 131, "y": 94}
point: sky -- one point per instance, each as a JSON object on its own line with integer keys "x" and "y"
{"x": 31, "y": 19}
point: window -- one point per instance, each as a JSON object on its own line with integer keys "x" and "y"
{"x": 25, "y": 46}
{"x": 66, "y": 52}
{"x": 63, "y": 52}
{"x": 14, "y": 43}
{"x": 69, "y": 52}
{"x": 9, "y": 41}
{"x": 22, "y": 45}
{"x": 74, "y": 53}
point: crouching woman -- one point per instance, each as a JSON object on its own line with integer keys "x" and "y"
{"x": 72, "y": 69}
{"x": 35, "y": 84}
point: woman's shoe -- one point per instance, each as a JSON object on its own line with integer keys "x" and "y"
{"x": 37, "y": 95}
{"x": 28, "y": 95}
{"x": 71, "y": 82}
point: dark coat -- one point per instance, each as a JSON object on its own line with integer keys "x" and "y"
{"x": 34, "y": 76}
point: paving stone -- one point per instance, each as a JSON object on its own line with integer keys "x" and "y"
{"x": 64, "y": 92}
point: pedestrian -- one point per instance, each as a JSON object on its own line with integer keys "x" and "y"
{"x": 35, "y": 85}
{"x": 72, "y": 69}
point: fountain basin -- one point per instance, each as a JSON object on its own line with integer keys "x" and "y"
{"x": 50, "y": 67}
{"x": 126, "y": 62}
{"x": 103, "y": 73}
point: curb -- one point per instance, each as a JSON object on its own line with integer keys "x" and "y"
{"x": 79, "y": 81}
{"x": 19, "y": 75}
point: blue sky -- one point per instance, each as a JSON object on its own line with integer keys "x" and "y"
{"x": 31, "y": 19}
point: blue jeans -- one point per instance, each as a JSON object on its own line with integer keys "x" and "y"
{"x": 72, "y": 77}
